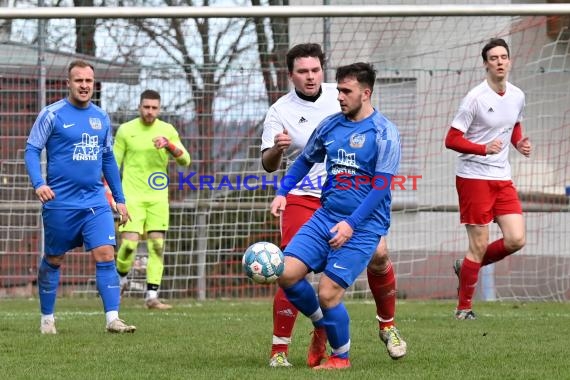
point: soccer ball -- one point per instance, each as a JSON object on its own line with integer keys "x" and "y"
{"x": 263, "y": 262}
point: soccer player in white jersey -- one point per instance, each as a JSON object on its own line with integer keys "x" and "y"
{"x": 362, "y": 151}
{"x": 286, "y": 130}
{"x": 77, "y": 137}
{"x": 488, "y": 120}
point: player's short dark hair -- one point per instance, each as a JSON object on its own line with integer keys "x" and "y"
{"x": 493, "y": 43}
{"x": 78, "y": 63}
{"x": 302, "y": 51}
{"x": 363, "y": 72}
{"x": 150, "y": 94}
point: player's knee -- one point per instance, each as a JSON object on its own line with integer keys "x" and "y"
{"x": 156, "y": 246}
{"x": 130, "y": 246}
{"x": 515, "y": 243}
{"x": 329, "y": 298}
{"x": 379, "y": 261}
{"x": 54, "y": 260}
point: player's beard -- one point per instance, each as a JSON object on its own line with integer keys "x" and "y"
{"x": 353, "y": 113}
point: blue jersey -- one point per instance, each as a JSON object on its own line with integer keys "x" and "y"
{"x": 355, "y": 152}
{"x": 78, "y": 143}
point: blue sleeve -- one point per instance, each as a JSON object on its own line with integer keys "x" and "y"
{"x": 33, "y": 165}
{"x": 381, "y": 187}
{"x": 112, "y": 175}
{"x": 389, "y": 152}
{"x": 296, "y": 173}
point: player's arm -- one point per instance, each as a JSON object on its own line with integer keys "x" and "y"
{"x": 41, "y": 130}
{"x": 455, "y": 140}
{"x": 113, "y": 178}
{"x": 275, "y": 140}
{"x": 174, "y": 147}
{"x": 271, "y": 158}
{"x": 294, "y": 174}
{"x": 522, "y": 144}
{"x": 119, "y": 147}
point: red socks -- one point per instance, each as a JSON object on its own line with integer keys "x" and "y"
{"x": 284, "y": 316}
{"x": 467, "y": 283}
{"x": 383, "y": 288}
{"x": 495, "y": 252}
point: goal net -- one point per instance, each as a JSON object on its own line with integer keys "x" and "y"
{"x": 217, "y": 78}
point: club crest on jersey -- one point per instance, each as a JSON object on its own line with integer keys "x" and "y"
{"x": 357, "y": 140}
{"x": 95, "y": 123}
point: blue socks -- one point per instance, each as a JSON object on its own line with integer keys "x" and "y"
{"x": 48, "y": 281}
{"x": 337, "y": 322}
{"x": 108, "y": 285}
{"x": 303, "y": 296}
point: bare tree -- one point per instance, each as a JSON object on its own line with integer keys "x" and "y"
{"x": 203, "y": 49}
{"x": 272, "y": 56}
{"x": 6, "y": 25}
{"x": 85, "y": 31}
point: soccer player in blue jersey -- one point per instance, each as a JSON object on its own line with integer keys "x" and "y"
{"x": 362, "y": 148}
{"x": 76, "y": 135}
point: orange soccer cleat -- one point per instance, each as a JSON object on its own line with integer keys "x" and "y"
{"x": 334, "y": 362}
{"x": 318, "y": 347}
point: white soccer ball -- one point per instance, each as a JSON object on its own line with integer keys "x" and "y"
{"x": 263, "y": 262}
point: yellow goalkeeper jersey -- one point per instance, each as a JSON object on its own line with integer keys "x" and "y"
{"x": 135, "y": 152}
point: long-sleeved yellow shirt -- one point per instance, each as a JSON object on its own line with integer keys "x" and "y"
{"x": 135, "y": 152}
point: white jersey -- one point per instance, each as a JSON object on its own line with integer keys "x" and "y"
{"x": 484, "y": 116}
{"x": 300, "y": 118}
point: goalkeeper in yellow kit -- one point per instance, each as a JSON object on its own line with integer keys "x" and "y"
{"x": 142, "y": 148}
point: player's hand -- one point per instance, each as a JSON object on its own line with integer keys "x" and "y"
{"x": 343, "y": 234}
{"x": 160, "y": 142}
{"x": 278, "y": 205}
{"x": 494, "y": 147}
{"x": 45, "y": 193}
{"x": 524, "y": 147}
{"x": 282, "y": 141}
{"x": 124, "y": 216}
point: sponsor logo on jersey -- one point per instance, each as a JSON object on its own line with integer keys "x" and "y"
{"x": 87, "y": 149}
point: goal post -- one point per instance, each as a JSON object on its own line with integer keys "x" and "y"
{"x": 426, "y": 56}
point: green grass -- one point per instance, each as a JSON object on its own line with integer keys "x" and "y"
{"x": 231, "y": 340}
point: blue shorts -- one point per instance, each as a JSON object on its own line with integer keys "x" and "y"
{"x": 68, "y": 229}
{"x": 343, "y": 265}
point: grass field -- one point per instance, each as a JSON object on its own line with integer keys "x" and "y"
{"x": 230, "y": 340}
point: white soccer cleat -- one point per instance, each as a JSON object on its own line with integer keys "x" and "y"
{"x": 118, "y": 326}
{"x": 154, "y": 303}
{"x": 395, "y": 344}
{"x": 279, "y": 360}
{"x": 47, "y": 326}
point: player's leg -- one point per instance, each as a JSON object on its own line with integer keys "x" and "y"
{"x": 336, "y": 323}
{"x": 130, "y": 235}
{"x": 307, "y": 251}
{"x": 343, "y": 267}
{"x": 508, "y": 215}
{"x": 61, "y": 234}
{"x": 301, "y": 294}
{"x": 154, "y": 270}
{"x": 476, "y": 202}
{"x": 299, "y": 209}
{"x": 382, "y": 282}
{"x": 48, "y": 281}
{"x": 157, "y": 219}
{"x": 99, "y": 238}
{"x": 469, "y": 274}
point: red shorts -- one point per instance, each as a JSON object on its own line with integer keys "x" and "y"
{"x": 299, "y": 209}
{"x": 481, "y": 200}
